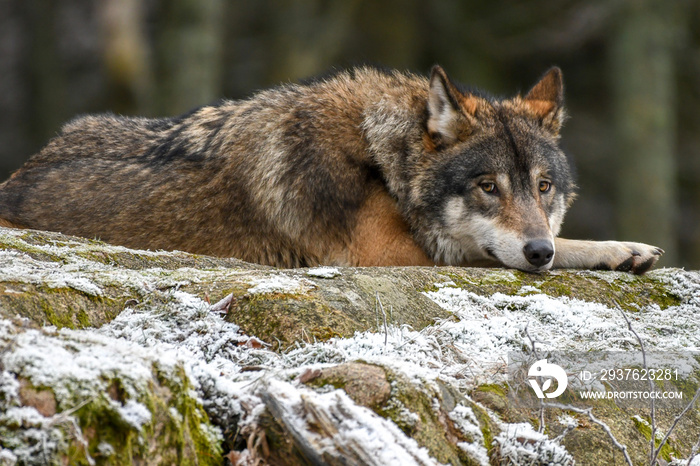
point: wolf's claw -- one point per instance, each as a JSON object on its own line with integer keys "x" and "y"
{"x": 638, "y": 257}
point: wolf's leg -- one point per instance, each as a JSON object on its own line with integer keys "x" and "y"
{"x": 605, "y": 255}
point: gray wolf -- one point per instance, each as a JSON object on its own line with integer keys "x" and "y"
{"x": 363, "y": 168}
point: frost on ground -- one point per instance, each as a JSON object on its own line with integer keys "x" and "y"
{"x": 520, "y": 444}
{"x": 183, "y": 362}
{"x": 323, "y": 272}
{"x": 340, "y": 430}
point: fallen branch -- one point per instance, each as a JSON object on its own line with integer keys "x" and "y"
{"x": 595, "y": 420}
{"x": 652, "y": 444}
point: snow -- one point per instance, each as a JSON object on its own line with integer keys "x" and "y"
{"x": 279, "y": 284}
{"x": 134, "y": 413}
{"x": 463, "y": 352}
{"x": 522, "y": 445}
{"x": 567, "y": 420}
{"x": 466, "y": 421}
{"x": 18, "y": 267}
{"x": 71, "y": 364}
{"x": 7, "y": 457}
{"x": 356, "y": 426}
{"x": 323, "y": 272}
{"x": 184, "y": 333}
{"x": 105, "y": 449}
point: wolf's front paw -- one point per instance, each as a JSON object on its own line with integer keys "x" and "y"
{"x": 631, "y": 257}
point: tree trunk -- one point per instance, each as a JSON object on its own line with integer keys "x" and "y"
{"x": 643, "y": 83}
{"x": 187, "y": 54}
{"x": 125, "y": 56}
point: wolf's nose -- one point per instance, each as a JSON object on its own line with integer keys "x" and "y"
{"x": 539, "y": 252}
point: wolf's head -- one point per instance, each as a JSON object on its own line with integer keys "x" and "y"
{"x": 493, "y": 184}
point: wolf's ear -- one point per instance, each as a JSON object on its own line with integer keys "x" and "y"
{"x": 546, "y": 100}
{"x": 448, "y": 109}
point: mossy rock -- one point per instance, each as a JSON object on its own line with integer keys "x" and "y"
{"x": 422, "y": 411}
{"x": 72, "y": 282}
{"x": 97, "y": 401}
{"x": 630, "y": 422}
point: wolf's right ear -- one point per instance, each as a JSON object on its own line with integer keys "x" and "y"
{"x": 546, "y": 100}
{"x": 448, "y": 119}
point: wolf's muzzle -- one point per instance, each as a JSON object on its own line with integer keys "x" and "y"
{"x": 539, "y": 252}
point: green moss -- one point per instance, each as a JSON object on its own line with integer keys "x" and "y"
{"x": 337, "y": 383}
{"x": 101, "y": 423}
{"x": 61, "y": 307}
{"x": 493, "y": 388}
{"x": 178, "y": 432}
{"x": 688, "y": 384}
{"x": 485, "y": 424}
{"x": 644, "y": 427}
{"x": 556, "y": 288}
{"x": 83, "y": 319}
{"x": 459, "y": 280}
{"x": 632, "y": 292}
{"x": 494, "y": 397}
{"x": 412, "y": 409}
{"x": 285, "y": 318}
{"x": 58, "y": 320}
{"x": 10, "y": 243}
{"x": 509, "y": 277}
{"x": 197, "y": 434}
{"x": 324, "y": 333}
{"x": 70, "y": 308}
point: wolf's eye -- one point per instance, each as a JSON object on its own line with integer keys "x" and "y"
{"x": 545, "y": 186}
{"x": 489, "y": 187}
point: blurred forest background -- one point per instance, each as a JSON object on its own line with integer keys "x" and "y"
{"x": 631, "y": 70}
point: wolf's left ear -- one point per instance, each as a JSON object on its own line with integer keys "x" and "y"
{"x": 546, "y": 100}
{"x": 448, "y": 109}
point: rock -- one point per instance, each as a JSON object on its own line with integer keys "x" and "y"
{"x": 116, "y": 356}
{"x": 74, "y": 398}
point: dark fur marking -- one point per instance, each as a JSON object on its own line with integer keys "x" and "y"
{"x": 561, "y": 172}
{"x": 626, "y": 266}
{"x": 158, "y": 125}
{"x": 250, "y": 111}
{"x": 457, "y": 174}
{"x": 520, "y": 159}
{"x": 11, "y": 203}
{"x": 174, "y": 147}
{"x": 644, "y": 266}
{"x": 215, "y": 125}
{"x": 601, "y": 266}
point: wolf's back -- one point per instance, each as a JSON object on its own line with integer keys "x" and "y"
{"x": 274, "y": 179}
{"x": 127, "y": 180}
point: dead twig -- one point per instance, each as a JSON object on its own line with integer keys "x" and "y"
{"x": 541, "y": 426}
{"x": 652, "y": 402}
{"x": 386, "y": 328}
{"x": 588, "y": 412}
{"x": 672, "y": 428}
{"x": 694, "y": 451}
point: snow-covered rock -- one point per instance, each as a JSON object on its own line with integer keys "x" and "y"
{"x": 115, "y": 356}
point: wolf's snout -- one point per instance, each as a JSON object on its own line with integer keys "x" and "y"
{"x": 539, "y": 252}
